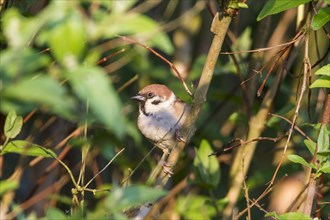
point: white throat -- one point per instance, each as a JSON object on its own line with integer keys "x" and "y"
{"x": 158, "y": 104}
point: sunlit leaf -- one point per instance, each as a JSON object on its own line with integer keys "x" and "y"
{"x": 277, "y": 6}
{"x": 13, "y": 124}
{"x": 298, "y": 159}
{"x": 293, "y": 216}
{"x": 243, "y": 5}
{"x": 321, "y": 82}
{"x": 27, "y": 148}
{"x": 321, "y": 18}
{"x": 272, "y": 214}
{"x": 206, "y": 168}
{"x": 288, "y": 216}
{"x": 324, "y": 70}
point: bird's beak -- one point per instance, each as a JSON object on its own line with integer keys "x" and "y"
{"x": 139, "y": 98}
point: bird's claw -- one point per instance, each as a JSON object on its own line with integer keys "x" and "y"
{"x": 179, "y": 137}
{"x": 167, "y": 169}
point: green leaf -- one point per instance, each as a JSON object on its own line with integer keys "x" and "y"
{"x": 321, "y": 18}
{"x": 293, "y": 216}
{"x": 121, "y": 198}
{"x": 19, "y": 30}
{"x": 92, "y": 86}
{"x": 133, "y": 23}
{"x": 64, "y": 31}
{"x": 7, "y": 185}
{"x": 67, "y": 39}
{"x": 13, "y": 124}
{"x": 54, "y": 214}
{"x": 27, "y": 148}
{"x": 298, "y": 159}
{"x": 28, "y": 62}
{"x": 288, "y": 216}
{"x": 41, "y": 90}
{"x": 324, "y": 70}
{"x": 242, "y": 5}
{"x": 310, "y": 145}
{"x": 277, "y": 6}
{"x": 195, "y": 207}
{"x": 120, "y": 6}
{"x": 323, "y": 141}
{"x": 321, "y": 82}
{"x": 206, "y": 168}
{"x": 272, "y": 214}
{"x": 324, "y": 168}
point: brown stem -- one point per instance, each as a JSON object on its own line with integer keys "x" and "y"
{"x": 219, "y": 27}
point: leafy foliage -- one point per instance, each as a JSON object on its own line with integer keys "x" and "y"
{"x": 206, "y": 168}
{"x": 321, "y": 18}
{"x": 277, "y": 6}
{"x": 66, "y": 81}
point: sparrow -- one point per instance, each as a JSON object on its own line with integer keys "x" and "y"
{"x": 161, "y": 116}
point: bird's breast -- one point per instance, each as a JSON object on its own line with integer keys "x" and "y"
{"x": 158, "y": 127}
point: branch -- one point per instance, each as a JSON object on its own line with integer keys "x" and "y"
{"x": 219, "y": 27}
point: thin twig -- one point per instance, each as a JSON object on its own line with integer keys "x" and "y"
{"x": 243, "y": 85}
{"x": 126, "y": 84}
{"x": 264, "y": 48}
{"x": 104, "y": 59}
{"x": 307, "y": 68}
{"x": 263, "y": 194}
{"x": 103, "y": 169}
{"x": 172, "y": 66}
{"x": 295, "y": 126}
{"x": 138, "y": 165}
{"x": 228, "y": 146}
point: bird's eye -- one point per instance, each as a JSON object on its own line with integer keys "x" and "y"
{"x": 150, "y": 95}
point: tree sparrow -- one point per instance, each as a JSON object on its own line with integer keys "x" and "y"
{"x": 161, "y": 116}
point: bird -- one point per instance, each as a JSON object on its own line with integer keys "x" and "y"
{"x": 161, "y": 117}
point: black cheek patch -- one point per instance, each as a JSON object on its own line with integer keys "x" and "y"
{"x": 156, "y": 102}
{"x": 143, "y": 109}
